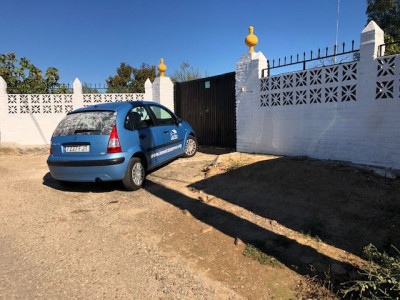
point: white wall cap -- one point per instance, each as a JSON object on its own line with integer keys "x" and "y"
{"x": 77, "y": 86}
{"x": 3, "y": 86}
{"x": 258, "y": 55}
{"x": 165, "y": 79}
{"x": 372, "y": 26}
{"x": 77, "y": 81}
{"x": 252, "y": 56}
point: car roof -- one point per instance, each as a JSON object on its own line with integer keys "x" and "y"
{"x": 113, "y": 106}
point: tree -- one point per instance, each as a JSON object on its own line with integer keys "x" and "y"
{"x": 186, "y": 73}
{"x": 22, "y": 77}
{"x": 130, "y": 79}
{"x": 386, "y": 13}
{"x": 87, "y": 89}
{"x": 141, "y": 75}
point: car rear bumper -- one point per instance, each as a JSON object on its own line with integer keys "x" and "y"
{"x": 82, "y": 169}
{"x": 86, "y": 163}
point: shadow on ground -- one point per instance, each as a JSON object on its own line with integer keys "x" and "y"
{"x": 215, "y": 151}
{"x": 91, "y": 187}
{"x": 82, "y": 187}
{"x": 295, "y": 256}
{"x": 344, "y": 206}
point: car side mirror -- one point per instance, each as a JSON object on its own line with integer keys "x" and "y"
{"x": 178, "y": 121}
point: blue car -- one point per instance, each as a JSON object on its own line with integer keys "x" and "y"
{"x": 118, "y": 141}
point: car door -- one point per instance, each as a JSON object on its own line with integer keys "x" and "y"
{"x": 143, "y": 131}
{"x": 170, "y": 135}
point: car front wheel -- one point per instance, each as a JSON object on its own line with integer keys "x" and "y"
{"x": 190, "y": 147}
{"x": 134, "y": 175}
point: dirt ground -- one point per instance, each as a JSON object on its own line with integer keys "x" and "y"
{"x": 184, "y": 234}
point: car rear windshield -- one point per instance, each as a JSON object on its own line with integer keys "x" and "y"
{"x": 90, "y": 122}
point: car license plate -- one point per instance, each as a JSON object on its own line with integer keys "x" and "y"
{"x": 83, "y": 148}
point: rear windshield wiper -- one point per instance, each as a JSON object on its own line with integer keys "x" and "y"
{"x": 86, "y": 130}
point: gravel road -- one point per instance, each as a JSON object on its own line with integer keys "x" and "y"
{"x": 184, "y": 234}
{"x": 86, "y": 241}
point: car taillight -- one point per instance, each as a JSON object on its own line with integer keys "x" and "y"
{"x": 51, "y": 150}
{"x": 113, "y": 143}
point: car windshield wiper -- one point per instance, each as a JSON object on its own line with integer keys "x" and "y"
{"x": 86, "y": 130}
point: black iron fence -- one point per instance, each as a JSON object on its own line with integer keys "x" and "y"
{"x": 39, "y": 88}
{"x": 95, "y": 88}
{"x": 389, "y": 48}
{"x": 87, "y": 88}
{"x": 61, "y": 88}
{"x": 314, "y": 56}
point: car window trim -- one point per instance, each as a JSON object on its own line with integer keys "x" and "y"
{"x": 148, "y": 110}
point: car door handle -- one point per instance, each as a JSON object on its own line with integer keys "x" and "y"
{"x": 166, "y": 131}
{"x": 142, "y": 136}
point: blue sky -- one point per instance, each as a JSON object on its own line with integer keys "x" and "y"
{"x": 89, "y": 38}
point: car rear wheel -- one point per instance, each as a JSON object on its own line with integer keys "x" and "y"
{"x": 190, "y": 147}
{"x": 134, "y": 175}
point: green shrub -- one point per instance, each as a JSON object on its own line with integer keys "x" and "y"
{"x": 380, "y": 279}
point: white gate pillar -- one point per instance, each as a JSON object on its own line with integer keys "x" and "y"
{"x": 247, "y": 90}
{"x": 371, "y": 37}
{"x": 77, "y": 97}
{"x": 3, "y": 103}
{"x": 163, "y": 88}
{"x": 148, "y": 90}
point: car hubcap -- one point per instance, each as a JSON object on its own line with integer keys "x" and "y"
{"x": 137, "y": 173}
{"x": 190, "y": 147}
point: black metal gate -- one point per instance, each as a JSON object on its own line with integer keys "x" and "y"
{"x": 208, "y": 104}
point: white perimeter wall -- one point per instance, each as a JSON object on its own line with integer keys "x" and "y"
{"x": 347, "y": 112}
{"x": 30, "y": 119}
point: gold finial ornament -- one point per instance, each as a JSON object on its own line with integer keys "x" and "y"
{"x": 162, "y": 68}
{"x": 251, "y": 40}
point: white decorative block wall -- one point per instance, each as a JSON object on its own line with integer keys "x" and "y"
{"x": 92, "y": 99}
{"x": 347, "y": 112}
{"x": 31, "y": 118}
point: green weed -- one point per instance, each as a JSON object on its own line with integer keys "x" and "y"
{"x": 255, "y": 253}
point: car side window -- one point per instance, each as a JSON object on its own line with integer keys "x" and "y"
{"x": 163, "y": 117}
{"x": 138, "y": 118}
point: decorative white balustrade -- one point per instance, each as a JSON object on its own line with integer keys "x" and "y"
{"x": 337, "y": 83}
{"x": 90, "y": 99}
{"x": 39, "y": 104}
{"x": 388, "y": 81}
{"x": 61, "y": 103}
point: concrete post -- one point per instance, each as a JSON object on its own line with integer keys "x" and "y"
{"x": 77, "y": 98}
{"x": 3, "y": 86}
{"x": 163, "y": 92}
{"x": 148, "y": 90}
{"x": 3, "y": 103}
{"x": 371, "y": 37}
{"x": 247, "y": 89}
